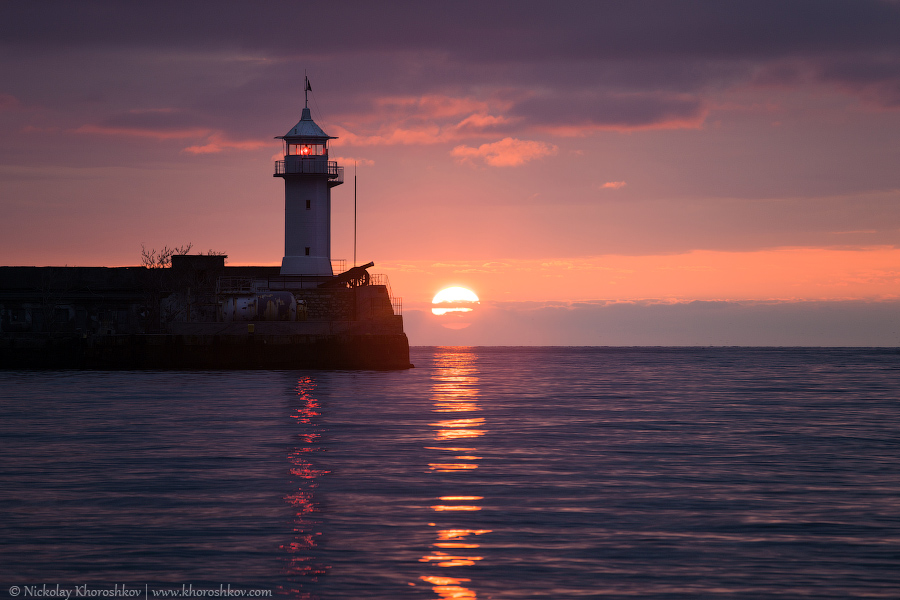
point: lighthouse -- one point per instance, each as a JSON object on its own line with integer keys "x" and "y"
{"x": 308, "y": 178}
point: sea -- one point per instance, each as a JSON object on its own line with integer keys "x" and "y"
{"x": 504, "y": 473}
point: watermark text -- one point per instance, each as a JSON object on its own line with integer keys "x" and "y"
{"x": 188, "y": 590}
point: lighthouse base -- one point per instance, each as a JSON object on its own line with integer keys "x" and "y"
{"x": 306, "y": 265}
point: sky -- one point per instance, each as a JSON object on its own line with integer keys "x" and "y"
{"x": 600, "y": 173}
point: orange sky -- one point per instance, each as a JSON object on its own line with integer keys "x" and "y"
{"x": 787, "y": 274}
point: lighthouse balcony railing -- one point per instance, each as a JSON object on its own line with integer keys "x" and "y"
{"x": 311, "y": 166}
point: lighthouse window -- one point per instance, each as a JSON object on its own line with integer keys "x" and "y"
{"x": 307, "y": 250}
{"x": 308, "y": 204}
{"x": 306, "y": 149}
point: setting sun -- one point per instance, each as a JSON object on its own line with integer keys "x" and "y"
{"x": 452, "y": 304}
{"x": 453, "y": 299}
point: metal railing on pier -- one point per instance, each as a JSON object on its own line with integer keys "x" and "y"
{"x": 226, "y": 286}
{"x": 234, "y": 285}
{"x": 382, "y": 279}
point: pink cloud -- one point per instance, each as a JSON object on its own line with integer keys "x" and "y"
{"x": 8, "y": 102}
{"x": 482, "y": 122}
{"x": 429, "y": 119}
{"x": 508, "y": 152}
{"x": 156, "y": 123}
{"x": 33, "y": 129}
{"x": 614, "y": 185}
{"x": 218, "y": 143}
{"x": 589, "y": 112}
{"x": 170, "y": 134}
{"x": 215, "y": 141}
{"x": 434, "y": 118}
{"x": 386, "y": 136}
{"x": 591, "y": 128}
{"x": 424, "y": 133}
{"x": 349, "y": 161}
{"x": 433, "y": 106}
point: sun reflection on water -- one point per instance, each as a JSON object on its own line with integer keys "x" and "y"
{"x": 448, "y": 587}
{"x": 301, "y": 559}
{"x": 454, "y": 389}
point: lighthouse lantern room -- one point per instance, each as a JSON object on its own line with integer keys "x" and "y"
{"x": 308, "y": 179}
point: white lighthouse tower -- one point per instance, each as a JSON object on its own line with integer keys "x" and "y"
{"x": 308, "y": 179}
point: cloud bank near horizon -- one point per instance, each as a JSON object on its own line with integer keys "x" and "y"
{"x": 696, "y": 323}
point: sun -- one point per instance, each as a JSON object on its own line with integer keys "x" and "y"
{"x": 453, "y": 303}
{"x": 453, "y": 299}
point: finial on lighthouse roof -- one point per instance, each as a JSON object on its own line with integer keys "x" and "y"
{"x": 306, "y": 128}
{"x": 306, "y": 91}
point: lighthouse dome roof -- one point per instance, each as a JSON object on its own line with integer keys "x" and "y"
{"x": 306, "y": 128}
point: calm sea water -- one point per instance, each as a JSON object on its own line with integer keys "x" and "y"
{"x": 483, "y": 473}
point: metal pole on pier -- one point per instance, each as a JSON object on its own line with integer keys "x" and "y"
{"x": 354, "y": 213}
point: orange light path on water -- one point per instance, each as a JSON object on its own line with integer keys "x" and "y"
{"x": 449, "y": 588}
{"x": 455, "y": 389}
{"x": 450, "y": 434}
{"x": 301, "y": 559}
{"x": 455, "y": 534}
{"x": 442, "y": 559}
{"x": 459, "y": 407}
{"x": 453, "y": 423}
{"x": 447, "y": 467}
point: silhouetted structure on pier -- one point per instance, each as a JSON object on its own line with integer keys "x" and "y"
{"x": 199, "y": 313}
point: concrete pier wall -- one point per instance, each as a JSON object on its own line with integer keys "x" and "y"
{"x": 171, "y": 351}
{"x": 133, "y": 317}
